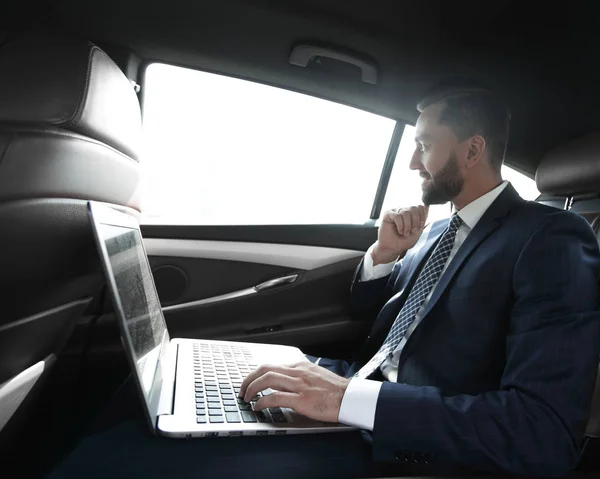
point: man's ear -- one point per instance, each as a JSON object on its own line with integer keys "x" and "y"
{"x": 476, "y": 150}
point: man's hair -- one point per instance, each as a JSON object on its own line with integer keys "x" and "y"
{"x": 472, "y": 110}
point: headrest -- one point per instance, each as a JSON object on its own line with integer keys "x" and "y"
{"x": 49, "y": 81}
{"x": 571, "y": 169}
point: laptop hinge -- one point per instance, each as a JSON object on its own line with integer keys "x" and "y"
{"x": 167, "y": 392}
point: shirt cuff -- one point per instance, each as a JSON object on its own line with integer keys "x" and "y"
{"x": 359, "y": 403}
{"x": 369, "y": 272}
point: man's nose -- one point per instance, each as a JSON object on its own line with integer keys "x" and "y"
{"x": 415, "y": 160}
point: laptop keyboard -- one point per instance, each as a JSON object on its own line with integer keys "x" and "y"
{"x": 218, "y": 374}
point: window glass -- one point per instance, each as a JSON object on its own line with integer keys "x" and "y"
{"x": 224, "y": 151}
{"x": 524, "y": 185}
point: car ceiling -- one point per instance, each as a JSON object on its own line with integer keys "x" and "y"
{"x": 541, "y": 57}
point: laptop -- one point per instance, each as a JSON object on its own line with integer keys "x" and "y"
{"x": 189, "y": 388}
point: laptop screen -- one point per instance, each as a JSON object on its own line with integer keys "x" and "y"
{"x": 145, "y": 327}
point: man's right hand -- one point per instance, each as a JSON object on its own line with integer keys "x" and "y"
{"x": 399, "y": 231}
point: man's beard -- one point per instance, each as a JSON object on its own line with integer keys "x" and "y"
{"x": 445, "y": 185}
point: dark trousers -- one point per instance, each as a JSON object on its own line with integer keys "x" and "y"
{"x": 128, "y": 451}
{"x": 121, "y": 446}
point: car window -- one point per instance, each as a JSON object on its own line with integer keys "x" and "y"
{"x": 404, "y": 188}
{"x": 524, "y": 185}
{"x": 225, "y": 151}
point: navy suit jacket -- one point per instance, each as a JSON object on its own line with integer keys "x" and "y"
{"x": 500, "y": 372}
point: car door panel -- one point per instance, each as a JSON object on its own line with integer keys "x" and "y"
{"x": 208, "y": 287}
{"x": 182, "y": 280}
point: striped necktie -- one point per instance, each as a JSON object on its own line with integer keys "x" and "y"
{"x": 429, "y": 276}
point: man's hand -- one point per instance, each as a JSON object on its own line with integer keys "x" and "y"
{"x": 306, "y": 388}
{"x": 399, "y": 231}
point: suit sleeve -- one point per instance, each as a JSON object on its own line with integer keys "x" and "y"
{"x": 368, "y": 297}
{"x": 534, "y": 423}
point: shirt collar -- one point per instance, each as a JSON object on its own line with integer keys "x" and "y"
{"x": 472, "y": 213}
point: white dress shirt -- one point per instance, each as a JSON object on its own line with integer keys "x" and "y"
{"x": 360, "y": 399}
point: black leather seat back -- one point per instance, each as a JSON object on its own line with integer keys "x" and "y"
{"x": 70, "y": 129}
{"x": 593, "y": 426}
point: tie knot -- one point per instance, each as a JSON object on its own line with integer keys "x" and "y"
{"x": 455, "y": 223}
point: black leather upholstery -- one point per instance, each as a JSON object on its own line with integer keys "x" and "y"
{"x": 70, "y": 123}
{"x": 571, "y": 169}
{"x": 69, "y": 84}
{"x": 70, "y": 131}
{"x": 593, "y": 426}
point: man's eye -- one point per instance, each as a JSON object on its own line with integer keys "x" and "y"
{"x": 421, "y": 147}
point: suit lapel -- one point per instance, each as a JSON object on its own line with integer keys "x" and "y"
{"x": 489, "y": 222}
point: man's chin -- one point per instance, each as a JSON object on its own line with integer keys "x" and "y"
{"x": 431, "y": 198}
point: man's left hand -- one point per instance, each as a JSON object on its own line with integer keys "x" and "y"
{"x": 306, "y": 388}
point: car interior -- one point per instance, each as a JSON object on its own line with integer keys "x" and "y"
{"x": 258, "y": 143}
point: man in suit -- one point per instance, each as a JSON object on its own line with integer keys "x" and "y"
{"x": 484, "y": 345}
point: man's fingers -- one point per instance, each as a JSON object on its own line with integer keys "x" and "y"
{"x": 408, "y": 222}
{"x": 299, "y": 364}
{"x": 423, "y": 215}
{"x": 277, "y": 399}
{"x": 403, "y": 223}
{"x": 263, "y": 369}
{"x": 398, "y": 222}
{"x": 272, "y": 380}
{"x": 416, "y": 219}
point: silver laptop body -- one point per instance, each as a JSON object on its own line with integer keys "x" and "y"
{"x": 188, "y": 387}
